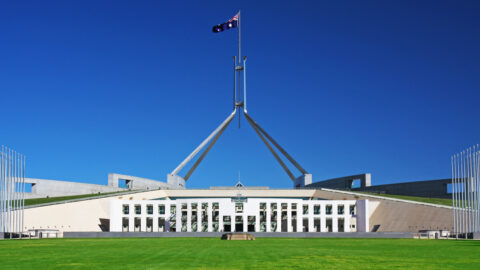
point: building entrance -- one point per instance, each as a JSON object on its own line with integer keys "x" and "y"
{"x": 239, "y": 224}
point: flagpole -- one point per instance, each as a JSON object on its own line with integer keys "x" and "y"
{"x": 239, "y": 38}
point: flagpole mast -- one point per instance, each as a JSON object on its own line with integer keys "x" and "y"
{"x": 239, "y": 38}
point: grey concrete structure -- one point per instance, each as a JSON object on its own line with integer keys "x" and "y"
{"x": 429, "y": 188}
{"x": 344, "y": 183}
{"x": 134, "y": 182}
{"x": 42, "y": 188}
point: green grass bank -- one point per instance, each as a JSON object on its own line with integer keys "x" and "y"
{"x": 263, "y": 253}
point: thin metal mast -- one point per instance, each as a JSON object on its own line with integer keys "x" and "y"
{"x": 239, "y": 37}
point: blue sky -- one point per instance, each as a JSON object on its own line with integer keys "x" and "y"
{"x": 132, "y": 87}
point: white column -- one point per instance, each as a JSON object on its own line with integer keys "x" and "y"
{"x": 178, "y": 217}
{"x": 131, "y": 218}
{"x": 199, "y": 216}
{"x": 189, "y": 217}
{"x": 311, "y": 227}
{"x": 269, "y": 222}
{"x": 334, "y": 218}
{"x": 143, "y": 218}
{"x": 323, "y": 220}
{"x": 233, "y": 223}
{"x": 257, "y": 217}
{"x": 289, "y": 217}
{"x": 209, "y": 217}
{"x": 155, "y": 218}
{"x": 346, "y": 220}
{"x": 245, "y": 221}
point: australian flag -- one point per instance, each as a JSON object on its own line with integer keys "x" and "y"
{"x": 232, "y": 23}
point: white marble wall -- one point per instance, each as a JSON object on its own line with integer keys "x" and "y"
{"x": 251, "y": 207}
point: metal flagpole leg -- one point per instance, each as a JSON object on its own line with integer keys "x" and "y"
{"x": 290, "y": 158}
{"x": 234, "y": 82}
{"x": 195, "y": 152}
{"x": 189, "y": 173}
{"x": 290, "y": 174}
{"x": 245, "y": 84}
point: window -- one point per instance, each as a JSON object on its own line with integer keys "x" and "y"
{"x": 138, "y": 209}
{"x": 316, "y": 209}
{"x": 137, "y": 224}
{"x": 28, "y": 187}
{"x": 294, "y": 206}
{"x": 215, "y": 211}
{"x": 126, "y": 209}
{"x": 149, "y": 209}
{"x": 305, "y": 209}
{"x": 449, "y": 189}
{"x": 356, "y": 183}
{"x": 150, "y": 223}
{"x": 173, "y": 209}
{"x": 328, "y": 210}
{"x": 273, "y": 206}
{"x": 340, "y": 209}
{"x": 125, "y": 224}
{"x": 352, "y": 209}
{"x": 161, "y": 209}
{"x": 238, "y": 207}
{"x": 263, "y": 206}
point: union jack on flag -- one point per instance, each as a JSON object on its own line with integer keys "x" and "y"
{"x": 235, "y": 18}
{"x": 232, "y": 23}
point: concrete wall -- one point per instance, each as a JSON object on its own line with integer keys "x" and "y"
{"x": 344, "y": 183}
{"x": 42, "y": 188}
{"x": 430, "y": 188}
{"x": 135, "y": 182}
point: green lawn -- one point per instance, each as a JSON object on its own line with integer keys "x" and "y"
{"x": 447, "y": 202}
{"x": 263, "y": 253}
{"x": 64, "y": 198}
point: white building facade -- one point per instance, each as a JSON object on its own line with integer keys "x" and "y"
{"x": 238, "y": 214}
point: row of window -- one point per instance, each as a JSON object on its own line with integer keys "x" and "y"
{"x": 161, "y": 208}
{"x": 316, "y": 208}
{"x": 238, "y": 208}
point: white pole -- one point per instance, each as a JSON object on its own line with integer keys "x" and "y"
{"x": 453, "y": 201}
{"x": 23, "y": 193}
{"x": 9, "y": 197}
{"x": 469, "y": 179}
{"x": 478, "y": 186}
{"x": 1, "y": 191}
{"x": 462, "y": 218}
